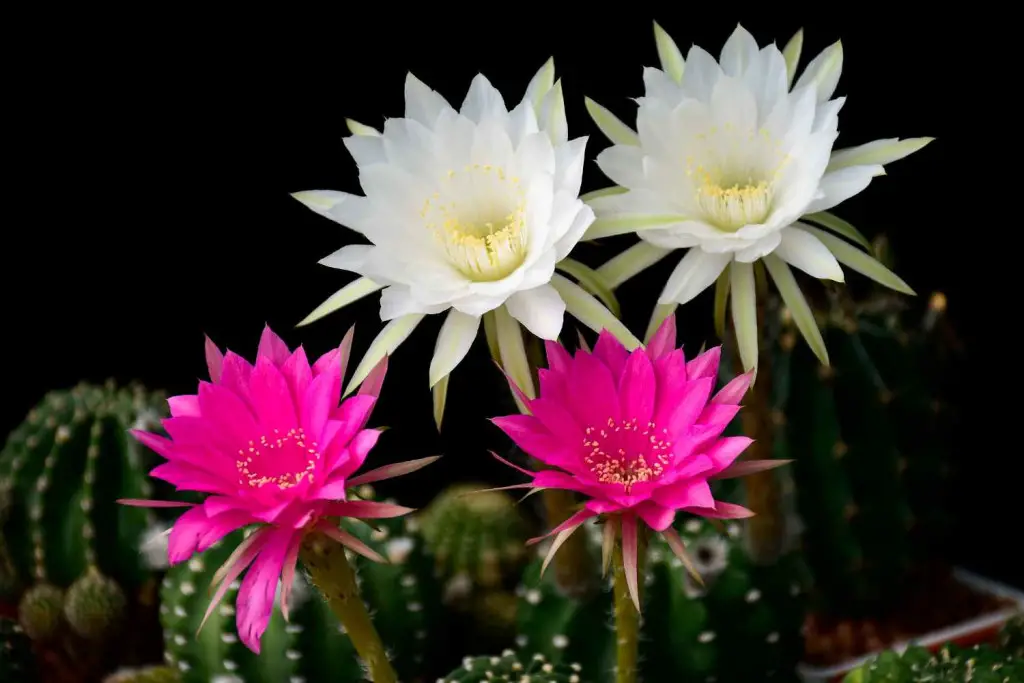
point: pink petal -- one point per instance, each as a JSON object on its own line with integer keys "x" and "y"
{"x": 138, "y": 503}
{"x": 735, "y": 390}
{"x": 271, "y": 398}
{"x": 690, "y": 466}
{"x": 637, "y": 389}
{"x": 670, "y": 374}
{"x": 237, "y": 372}
{"x": 560, "y": 539}
{"x": 353, "y": 414}
{"x": 722, "y": 510}
{"x": 664, "y": 340}
{"x": 158, "y": 444}
{"x": 655, "y": 516}
{"x": 195, "y": 531}
{"x": 603, "y": 507}
{"x": 188, "y": 478}
{"x": 691, "y": 402}
{"x": 553, "y": 479}
{"x": 236, "y": 563}
{"x": 511, "y": 464}
{"x": 317, "y": 402}
{"x": 297, "y": 374}
{"x": 558, "y": 357}
{"x": 367, "y": 509}
{"x": 705, "y": 365}
{"x": 360, "y": 446}
{"x": 718, "y": 414}
{"x": 184, "y": 406}
{"x": 629, "y": 557}
{"x": 334, "y": 488}
{"x": 611, "y": 352}
{"x": 390, "y": 471}
{"x": 553, "y": 385}
{"x": 349, "y": 541}
{"x": 225, "y": 409}
{"x": 291, "y": 558}
{"x": 529, "y": 434}
{"x": 748, "y": 467}
{"x": 685, "y": 494}
{"x": 272, "y": 347}
{"x": 255, "y": 602}
{"x": 671, "y": 537}
{"x": 557, "y": 420}
{"x": 523, "y": 398}
{"x": 214, "y": 360}
{"x": 574, "y": 521}
{"x": 374, "y": 381}
{"x": 345, "y": 351}
{"x": 724, "y": 451}
{"x": 594, "y": 397}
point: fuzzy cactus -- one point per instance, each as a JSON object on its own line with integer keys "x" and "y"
{"x": 514, "y": 669}
{"x": 17, "y": 663}
{"x": 979, "y": 664}
{"x": 690, "y": 630}
{"x": 403, "y": 596}
{"x": 148, "y": 674}
{"x": 61, "y": 473}
{"x": 95, "y": 606}
{"x": 479, "y": 536}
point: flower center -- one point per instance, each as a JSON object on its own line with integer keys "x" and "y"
{"x": 478, "y": 218}
{"x": 281, "y": 460}
{"x": 730, "y": 207}
{"x": 626, "y": 453}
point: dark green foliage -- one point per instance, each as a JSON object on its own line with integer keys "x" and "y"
{"x": 979, "y": 664}
{"x": 17, "y": 663}
{"x": 149, "y": 674}
{"x": 513, "y": 669}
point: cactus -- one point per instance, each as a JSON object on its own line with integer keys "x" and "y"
{"x": 1011, "y": 637}
{"x": 870, "y": 453}
{"x": 402, "y": 595}
{"x": 149, "y": 674}
{"x": 690, "y": 632}
{"x": 477, "y": 535}
{"x": 17, "y": 663}
{"x": 512, "y": 668}
{"x": 61, "y": 473}
{"x": 979, "y": 664}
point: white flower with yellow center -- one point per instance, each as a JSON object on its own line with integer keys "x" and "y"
{"x": 469, "y": 212}
{"x": 732, "y": 163}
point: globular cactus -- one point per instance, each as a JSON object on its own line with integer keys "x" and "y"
{"x": 148, "y": 674}
{"x": 479, "y": 536}
{"x": 979, "y": 664}
{"x": 691, "y": 633}
{"x": 17, "y": 663}
{"x": 61, "y": 473}
{"x": 403, "y": 598}
{"x": 514, "y": 669}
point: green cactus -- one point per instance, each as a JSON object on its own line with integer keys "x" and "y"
{"x": 690, "y": 632}
{"x": 61, "y": 473}
{"x": 513, "y": 668}
{"x": 870, "y": 453}
{"x": 403, "y": 597}
{"x": 94, "y": 606}
{"x": 979, "y": 664}
{"x": 17, "y": 662}
{"x": 149, "y": 674}
{"x": 1011, "y": 637}
{"x": 479, "y": 536}
{"x": 41, "y": 612}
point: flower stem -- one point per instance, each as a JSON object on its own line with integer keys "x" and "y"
{"x": 627, "y": 619}
{"x": 332, "y": 574}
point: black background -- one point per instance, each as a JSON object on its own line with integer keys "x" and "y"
{"x": 154, "y": 156}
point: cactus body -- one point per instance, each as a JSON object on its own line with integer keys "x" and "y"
{"x": 149, "y": 674}
{"x": 690, "y": 633}
{"x": 513, "y": 669}
{"x": 17, "y": 663}
{"x": 61, "y": 473}
{"x": 979, "y": 664}
{"x": 402, "y": 596}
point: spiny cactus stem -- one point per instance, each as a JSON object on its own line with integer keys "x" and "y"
{"x": 627, "y": 619}
{"x": 574, "y": 569}
{"x": 331, "y": 573}
{"x": 765, "y": 529}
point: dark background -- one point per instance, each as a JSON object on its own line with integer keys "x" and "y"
{"x": 154, "y": 157}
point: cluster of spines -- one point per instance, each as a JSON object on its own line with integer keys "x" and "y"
{"x": 510, "y": 668}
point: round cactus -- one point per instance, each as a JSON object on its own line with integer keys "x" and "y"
{"x": 149, "y": 674}
{"x": 61, "y": 473}
{"x": 94, "y": 606}
{"x": 690, "y": 631}
{"x": 979, "y": 664}
{"x": 512, "y": 668}
{"x": 403, "y": 597}
{"x": 479, "y": 536}
{"x": 17, "y": 663}
{"x": 41, "y": 612}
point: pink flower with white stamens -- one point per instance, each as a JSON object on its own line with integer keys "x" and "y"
{"x": 638, "y": 434}
{"x": 272, "y": 446}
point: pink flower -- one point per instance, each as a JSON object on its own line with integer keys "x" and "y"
{"x": 270, "y": 446}
{"x": 637, "y": 434}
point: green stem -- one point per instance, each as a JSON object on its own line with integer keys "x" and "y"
{"x": 627, "y": 619}
{"x": 332, "y": 574}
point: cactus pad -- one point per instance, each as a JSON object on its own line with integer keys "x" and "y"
{"x": 17, "y": 663}
{"x": 509, "y": 667}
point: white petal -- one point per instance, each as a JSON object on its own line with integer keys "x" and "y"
{"x": 483, "y": 101}
{"x": 535, "y": 155}
{"x": 734, "y": 106}
{"x": 397, "y": 300}
{"x": 669, "y": 54}
{"x": 583, "y": 219}
{"x": 744, "y": 312}
{"x": 477, "y": 304}
{"x": 623, "y": 164}
{"x": 878, "y": 152}
{"x": 521, "y": 122}
{"x": 393, "y": 190}
{"x": 739, "y": 51}
{"x": 696, "y": 272}
{"x": 453, "y": 343}
{"x": 826, "y": 117}
{"x": 491, "y": 145}
{"x": 551, "y": 114}
{"x": 569, "y": 159}
{"x": 321, "y": 201}
{"x": 803, "y": 250}
{"x": 840, "y": 185}
{"x": 657, "y": 84}
{"x": 540, "y": 310}
{"x": 701, "y": 74}
{"x": 764, "y": 245}
{"x": 541, "y": 83}
{"x": 351, "y": 258}
{"x": 766, "y": 78}
{"x": 421, "y": 103}
{"x": 824, "y": 71}
{"x": 365, "y": 149}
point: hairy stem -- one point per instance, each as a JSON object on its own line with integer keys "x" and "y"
{"x": 332, "y": 574}
{"x": 627, "y": 619}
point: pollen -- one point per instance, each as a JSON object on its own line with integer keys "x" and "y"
{"x": 281, "y": 459}
{"x": 478, "y": 218}
{"x": 626, "y": 453}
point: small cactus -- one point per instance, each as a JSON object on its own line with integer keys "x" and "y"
{"x": 95, "y": 606}
{"x": 149, "y": 674}
{"x": 979, "y": 664}
{"x": 41, "y": 612}
{"x": 510, "y": 667}
{"x": 17, "y": 664}
{"x": 474, "y": 536}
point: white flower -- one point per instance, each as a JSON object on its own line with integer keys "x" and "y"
{"x": 726, "y": 161}
{"x": 469, "y": 212}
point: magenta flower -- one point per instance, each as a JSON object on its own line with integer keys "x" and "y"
{"x": 271, "y": 447}
{"x": 638, "y": 434}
